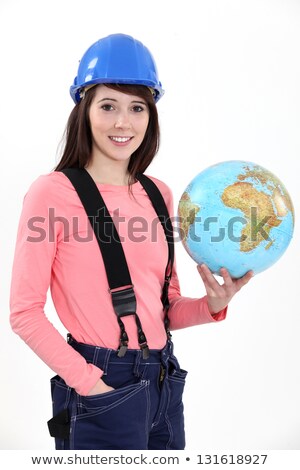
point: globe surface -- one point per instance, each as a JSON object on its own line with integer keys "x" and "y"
{"x": 238, "y": 215}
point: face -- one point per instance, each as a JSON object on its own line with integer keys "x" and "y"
{"x": 118, "y": 124}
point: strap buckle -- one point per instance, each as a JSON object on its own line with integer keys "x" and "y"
{"x": 124, "y": 301}
{"x": 123, "y": 339}
{"x": 145, "y": 350}
{"x": 123, "y": 349}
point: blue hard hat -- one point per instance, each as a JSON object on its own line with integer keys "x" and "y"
{"x": 117, "y": 58}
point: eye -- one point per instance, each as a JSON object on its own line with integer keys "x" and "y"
{"x": 107, "y": 107}
{"x": 138, "y": 109}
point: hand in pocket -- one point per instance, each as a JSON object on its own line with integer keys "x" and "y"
{"x": 99, "y": 388}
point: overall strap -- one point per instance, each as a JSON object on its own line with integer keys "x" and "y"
{"x": 162, "y": 212}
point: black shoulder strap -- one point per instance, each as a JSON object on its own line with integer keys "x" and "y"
{"x": 162, "y": 212}
{"x": 118, "y": 276}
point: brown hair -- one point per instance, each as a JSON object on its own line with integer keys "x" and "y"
{"x": 78, "y": 137}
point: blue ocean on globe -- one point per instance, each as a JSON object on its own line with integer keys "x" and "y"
{"x": 238, "y": 215}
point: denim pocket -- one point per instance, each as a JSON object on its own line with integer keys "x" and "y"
{"x": 176, "y": 380}
{"x": 105, "y": 401}
{"x": 117, "y": 419}
{"x": 60, "y": 393}
{"x": 174, "y": 370}
{"x": 178, "y": 375}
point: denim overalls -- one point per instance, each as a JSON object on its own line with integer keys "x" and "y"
{"x": 145, "y": 411}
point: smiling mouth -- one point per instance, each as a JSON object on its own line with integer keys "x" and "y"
{"x": 121, "y": 140}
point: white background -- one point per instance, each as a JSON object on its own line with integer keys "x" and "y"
{"x": 231, "y": 73}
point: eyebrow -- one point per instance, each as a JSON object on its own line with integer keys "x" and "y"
{"x": 113, "y": 99}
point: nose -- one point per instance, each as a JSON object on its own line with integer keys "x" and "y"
{"x": 123, "y": 121}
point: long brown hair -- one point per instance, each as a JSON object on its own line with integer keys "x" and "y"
{"x": 78, "y": 137}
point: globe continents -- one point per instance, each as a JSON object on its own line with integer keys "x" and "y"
{"x": 238, "y": 215}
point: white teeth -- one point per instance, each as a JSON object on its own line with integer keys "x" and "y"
{"x": 120, "y": 139}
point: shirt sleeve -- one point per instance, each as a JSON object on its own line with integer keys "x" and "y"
{"x": 186, "y": 311}
{"x": 35, "y": 250}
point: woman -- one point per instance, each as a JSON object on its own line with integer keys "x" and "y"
{"x": 118, "y": 383}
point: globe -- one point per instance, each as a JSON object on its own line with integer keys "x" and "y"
{"x": 238, "y": 215}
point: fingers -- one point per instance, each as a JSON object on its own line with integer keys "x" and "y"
{"x": 205, "y": 273}
{"x": 219, "y": 295}
{"x": 242, "y": 281}
{"x": 202, "y": 274}
{"x": 235, "y": 284}
{"x": 229, "y": 282}
{"x": 208, "y": 278}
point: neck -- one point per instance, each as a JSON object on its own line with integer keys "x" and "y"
{"x": 108, "y": 174}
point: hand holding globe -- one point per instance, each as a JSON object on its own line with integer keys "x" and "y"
{"x": 219, "y": 295}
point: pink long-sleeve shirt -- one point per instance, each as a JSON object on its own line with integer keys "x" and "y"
{"x": 56, "y": 248}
